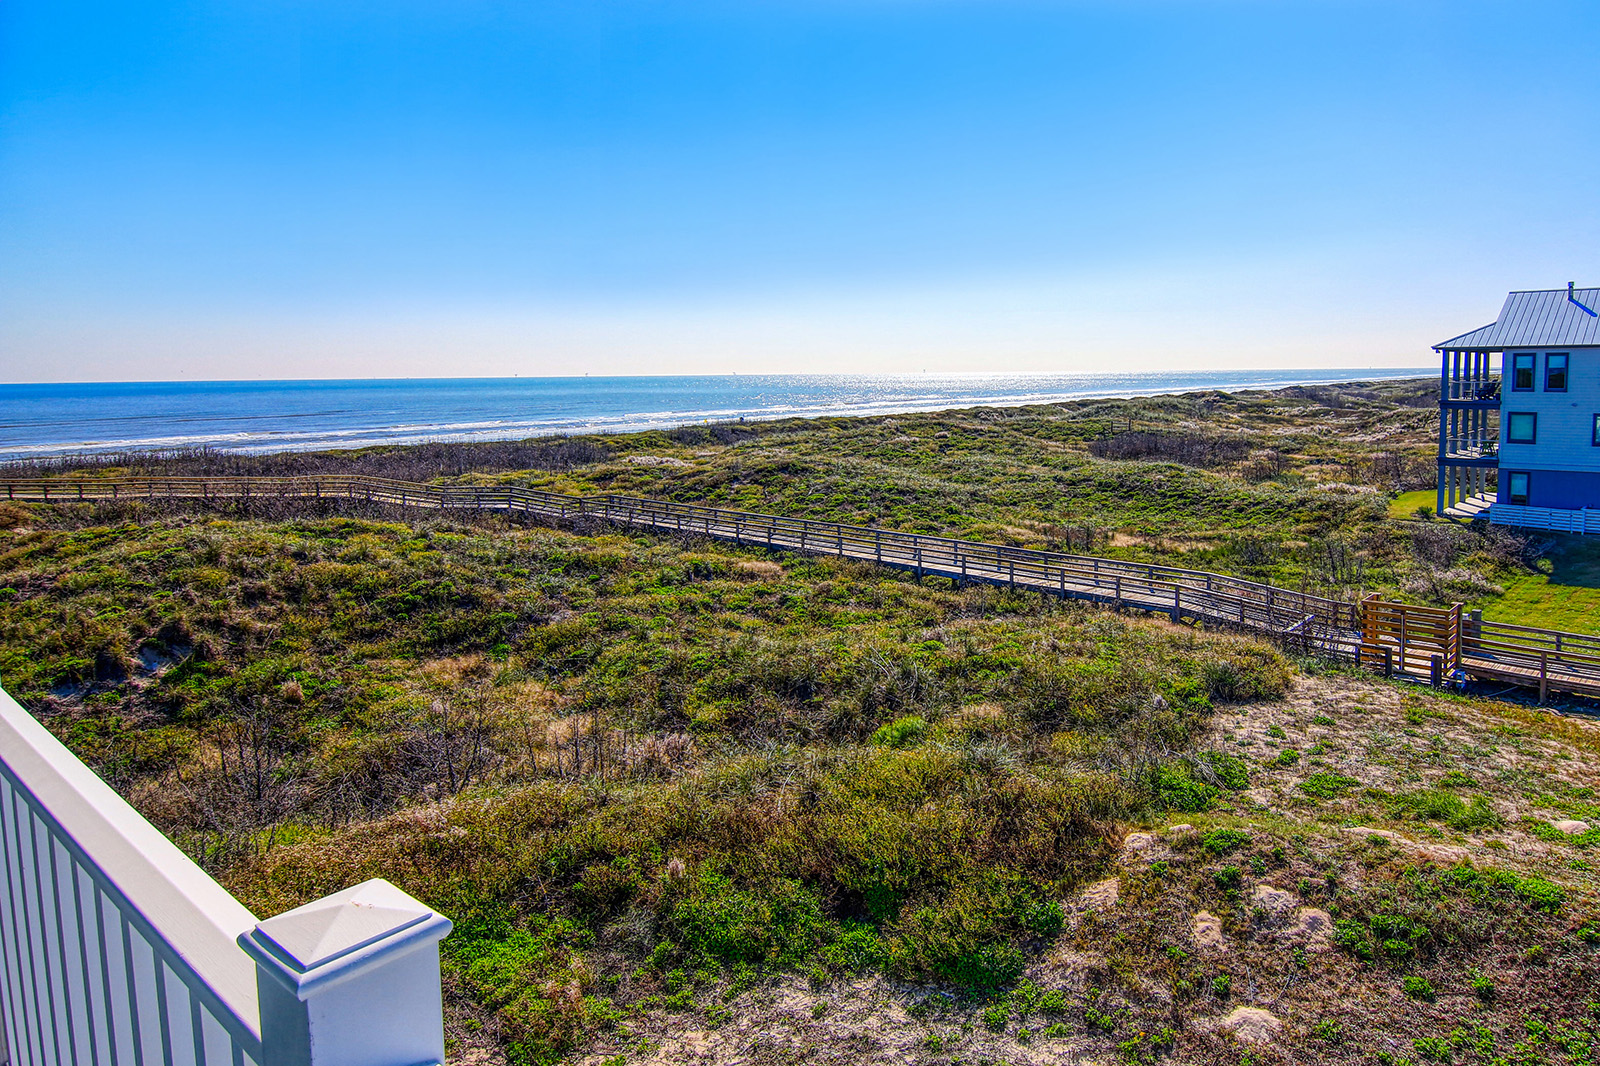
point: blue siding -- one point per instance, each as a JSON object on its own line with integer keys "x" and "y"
{"x": 1566, "y": 489}
{"x": 1565, "y": 421}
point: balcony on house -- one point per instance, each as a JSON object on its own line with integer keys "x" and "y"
{"x": 1478, "y": 447}
{"x": 1469, "y": 430}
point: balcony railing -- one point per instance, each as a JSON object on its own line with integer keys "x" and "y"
{"x": 1470, "y": 448}
{"x": 1468, "y": 389}
{"x": 116, "y": 949}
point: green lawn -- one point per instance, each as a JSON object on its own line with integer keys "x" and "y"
{"x": 1562, "y": 593}
{"x": 1405, "y": 505}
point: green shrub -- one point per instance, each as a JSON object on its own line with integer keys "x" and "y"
{"x": 1418, "y": 987}
{"x": 856, "y": 949}
{"x": 1432, "y": 1048}
{"x": 1482, "y": 987}
{"x": 1042, "y": 918}
{"x": 1229, "y": 770}
{"x": 1227, "y": 878}
{"x": 1222, "y": 841}
{"x": 967, "y": 938}
{"x": 902, "y": 732}
{"x": 1147, "y": 1047}
{"x": 996, "y": 1015}
{"x": 1540, "y": 894}
{"x": 1441, "y": 806}
{"x": 519, "y": 977}
{"x": 780, "y": 922}
{"x": 1286, "y": 757}
{"x": 1177, "y": 790}
{"x": 1327, "y": 786}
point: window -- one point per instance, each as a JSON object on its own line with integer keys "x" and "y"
{"x": 1517, "y": 488}
{"x": 1522, "y": 371}
{"x": 1555, "y": 372}
{"x": 1596, "y": 440}
{"x": 1522, "y": 427}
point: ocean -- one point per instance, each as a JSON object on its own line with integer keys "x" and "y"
{"x": 38, "y": 420}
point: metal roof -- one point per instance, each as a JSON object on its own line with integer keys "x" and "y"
{"x": 1540, "y": 318}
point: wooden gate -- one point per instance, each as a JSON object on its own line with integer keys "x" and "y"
{"x": 1406, "y": 640}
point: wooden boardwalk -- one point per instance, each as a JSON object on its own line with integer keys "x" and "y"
{"x": 1406, "y": 640}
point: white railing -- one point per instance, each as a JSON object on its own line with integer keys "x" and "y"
{"x": 1579, "y": 520}
{"x": 116, "y": 949}
{"x": 1469, "y": 447}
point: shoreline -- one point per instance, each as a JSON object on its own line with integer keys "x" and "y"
{"x": 245, "y": 439}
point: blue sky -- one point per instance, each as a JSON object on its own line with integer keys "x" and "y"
{"x": 270, "y": 189}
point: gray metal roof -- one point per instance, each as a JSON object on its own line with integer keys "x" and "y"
{"x": 1541, "y": 318}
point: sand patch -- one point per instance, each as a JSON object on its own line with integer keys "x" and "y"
{"x": 1252, "y": 1024}
{"x": 1208, "y": 932}
{"x": 1100, "y": 896}
{"x": 1276, "y": 901}
{"x": 1313, "y": 925}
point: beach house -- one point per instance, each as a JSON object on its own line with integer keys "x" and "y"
{"x": 1521, "y": 440}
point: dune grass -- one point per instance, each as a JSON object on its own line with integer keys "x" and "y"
{"x": 651, "y": 778}
{"x": 613, "y": 761}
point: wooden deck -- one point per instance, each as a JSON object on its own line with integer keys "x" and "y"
{"x": 1443, "y": 643}
{"x": 1435, "y": 644}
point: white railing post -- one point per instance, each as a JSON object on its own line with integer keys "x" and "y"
{"x": 351, "y": 979}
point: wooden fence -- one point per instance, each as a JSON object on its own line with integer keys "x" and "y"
{"x": 1437, "y": 644}
{"x": 1406, "y": 639}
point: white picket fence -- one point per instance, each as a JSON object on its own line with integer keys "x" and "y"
{"x": 116, "y": 949}
{"x": 1582, "y": 520}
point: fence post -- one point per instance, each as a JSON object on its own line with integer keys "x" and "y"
{"x": 1435, "y": 670}
{"x": 1544, "y": 676}
{"x": 351, "y": 979}
{"x": 1177, "y": 603}
{"x": 1455, "y": 633}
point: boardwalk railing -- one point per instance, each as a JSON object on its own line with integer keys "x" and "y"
{"x": 1403, "y": 638}
{"x": 1548, "y": 659}
{"x": 117, "y": 950}
{"x": 1325, "y": 624}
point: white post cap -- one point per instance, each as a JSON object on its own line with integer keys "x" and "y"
{"x": 351, "y": 979}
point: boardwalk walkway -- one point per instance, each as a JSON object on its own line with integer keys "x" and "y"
{"x": 1543, "y": 659}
